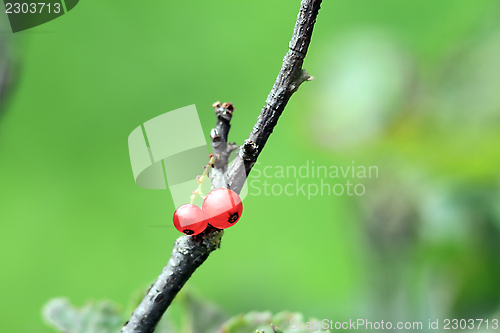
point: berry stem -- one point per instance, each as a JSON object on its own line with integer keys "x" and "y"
{"x": 201, "y": 179}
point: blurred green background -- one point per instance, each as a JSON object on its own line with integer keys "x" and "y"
{"x": 412, "y": 87}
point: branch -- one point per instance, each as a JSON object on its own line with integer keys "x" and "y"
{"x": 188, "y": 254}
{"x": 220, "y": 147}
{"x": 191, "y": 251}
{"x": 290, "y": 77}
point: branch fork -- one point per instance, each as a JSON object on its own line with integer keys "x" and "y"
{"x": 191, "y": 251}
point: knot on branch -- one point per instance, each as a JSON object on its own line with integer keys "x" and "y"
{"x": 223, "y": 111}
{"x": 249, "y": 150}
{"x": 299, "y": 77}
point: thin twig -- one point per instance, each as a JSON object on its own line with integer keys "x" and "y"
{"x": 288, "y": 81}
{"x": 191, "y": 251}
{"x": 220, "y": 146}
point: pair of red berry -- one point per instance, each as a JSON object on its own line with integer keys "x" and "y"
{"x": 221, "y": 209}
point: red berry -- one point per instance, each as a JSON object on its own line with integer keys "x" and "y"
{"x": 222, "y": 207}
{"x": 189, "y": 219}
